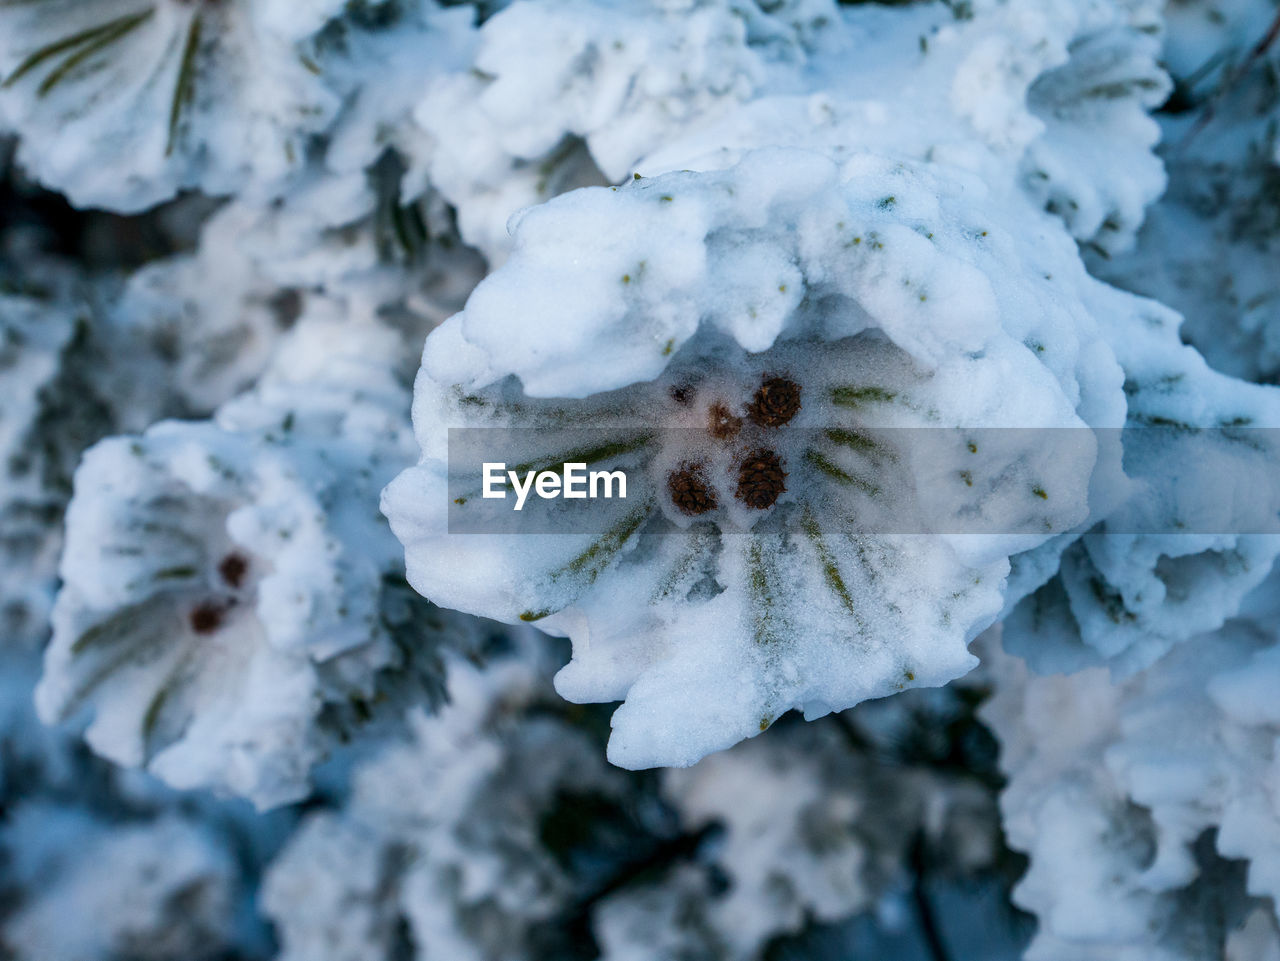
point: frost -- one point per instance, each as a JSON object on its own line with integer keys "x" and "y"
{"x": 356, "y": 239}
{"x": 154, "y": 890}
{"x": 909, "y": 322}
{"x": 1223, "y": 155}
{"x": 124, "y": 102}
{"x": 813, "y": 826}
{"x": 1125, "y": 598}
{"x": 1148, "y": 808}
{"x": 48, "y": 416}
{"x": 814, "y": 831}
{"x": 207, "y": 321}
{"x": 83, "y": 358}
{"x": 232, "y": 603}
{"x": 497, "y": 830}
{"x": 573, "y": 93}
{"x": 101, "y": 863}
{"x": 1048, "y": 95}
{"x": 715, "y": 278}
{"x": 1070, "y": 86}
{"x": 1093, "y": 164}
{"x": 877, "y": 287}
{"x": 442, "y": 850}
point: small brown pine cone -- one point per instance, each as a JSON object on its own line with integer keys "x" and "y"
{"x": 761, "y": 480}
{"x": 721, "y": 423}
{"x": 690, "y": 491}
{"x": 777, "y": 400}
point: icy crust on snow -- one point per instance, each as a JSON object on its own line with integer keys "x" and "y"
{"x": 1149, "y": 808}
{"x": 100, "y": 890}
{"x": 885, "y": 289}
{"x": 444, "y": 843}
{"x": 232, "y": 602}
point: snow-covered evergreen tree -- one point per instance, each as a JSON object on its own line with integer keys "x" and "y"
{"x": 937, "y": 342}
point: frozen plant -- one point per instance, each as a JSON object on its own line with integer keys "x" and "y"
{"x": 690, "y": 286}
{"x": 1209, "y": 245}
{"x": 747, "y": 338}
{"x": 498, "y": 831}
{"x": 206, "y": 322}
{"x": 125, "y": 103}
{"x": 1042, "y": 93}
{"x": 232, "y": 604}
{"x": 358, "y": 241}
{"x": 462, "y": 841}
{"x": 49, "y": 415}
{"x": 102, "y": 863}
{"x": 856, "y": 295}
{"x": 1133, "y": 587}
{"x": 1179, "y": 555}
{"x": 1148, "y": 808}
{"x": 1104, "y": 90}
{"x": 122, "y": 103}
{"x": 154, "y": 890}
{"x": 812, "y": 826}
{"x": 85, "y": 354}
{"x": 1125, "y": 598}
{"x": 569, "y": 93}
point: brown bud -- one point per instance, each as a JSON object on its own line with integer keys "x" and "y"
{"x": 721, "y": 423}
{"x": 232, "y": 569}
{"x": 777, "y": 401}
{"x": 761, "y": 479}
{"x": 690, "y": 491}
{"x": 207, "y": 617}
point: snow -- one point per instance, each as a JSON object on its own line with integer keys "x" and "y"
{"x": 937, "y": 341}
{"x": 229, "y": 592}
